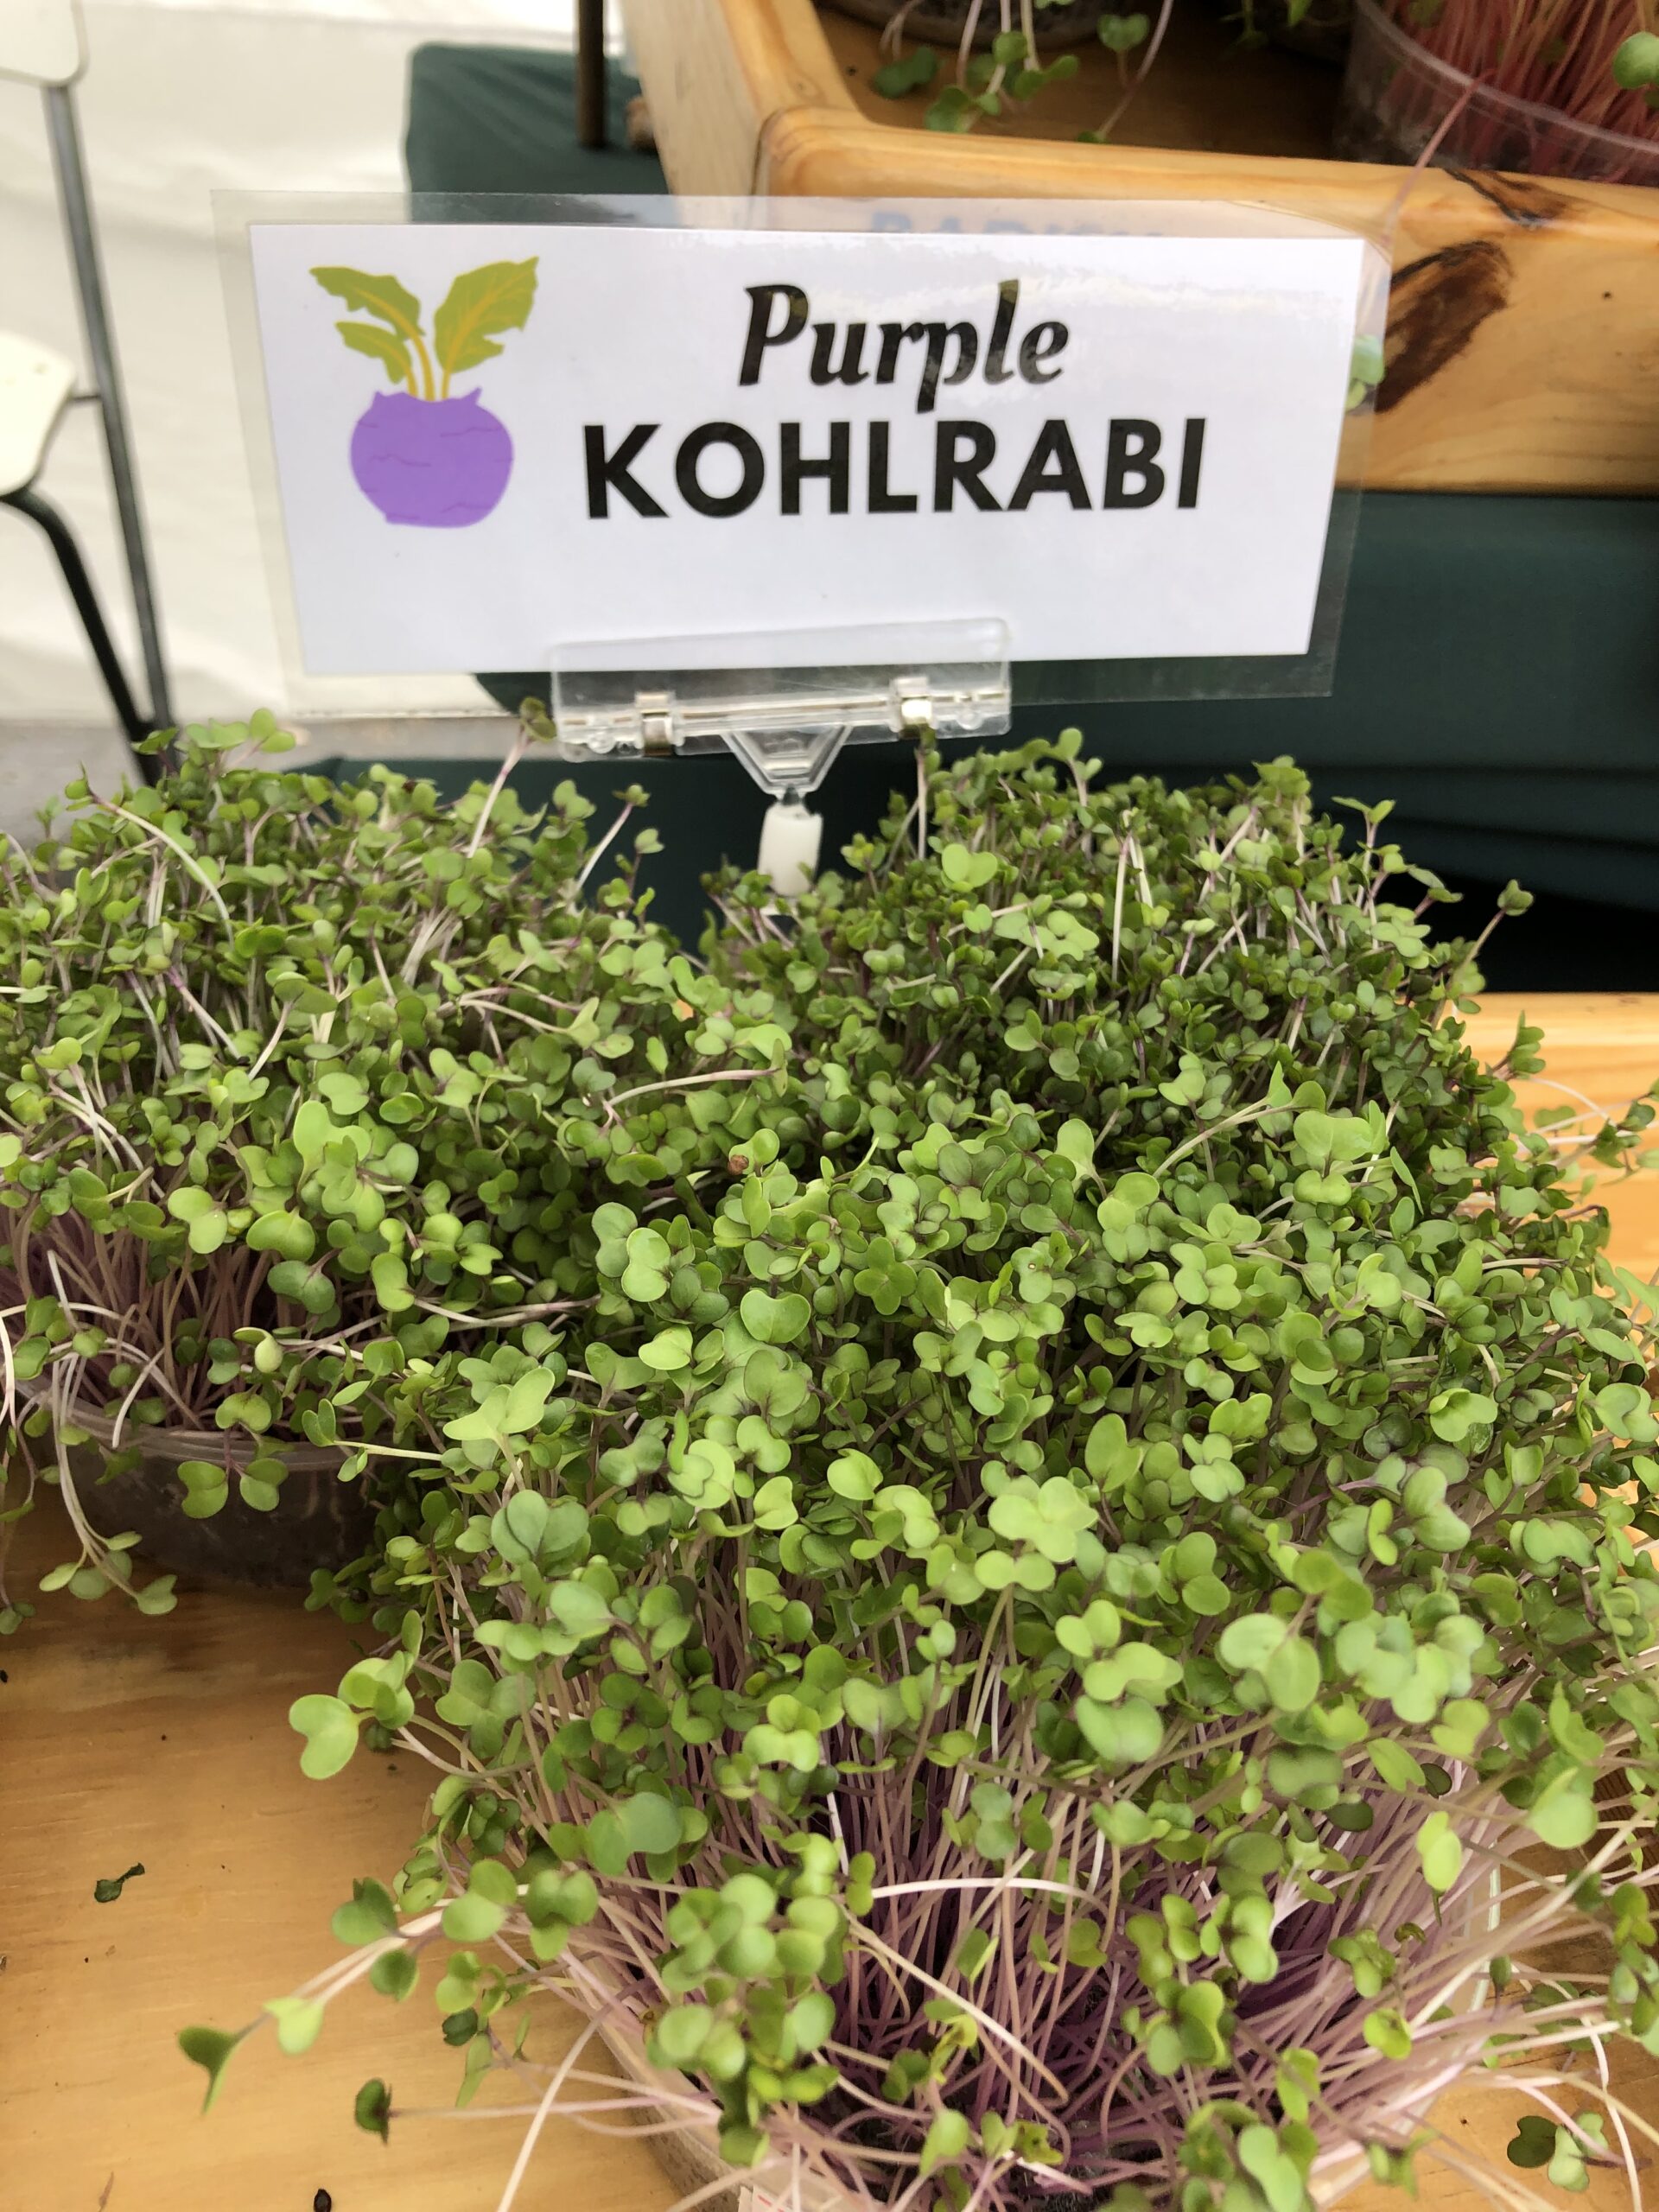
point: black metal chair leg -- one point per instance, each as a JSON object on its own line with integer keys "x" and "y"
{"x": 41, "y": 512}
{"x": 592, "y": 120}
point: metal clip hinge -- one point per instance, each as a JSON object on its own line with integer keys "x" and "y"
{"x": 658, "y": 739}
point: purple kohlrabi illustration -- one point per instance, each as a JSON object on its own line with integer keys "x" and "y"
{"x": 441, "y": 463}
{"x": 424, "y": 455}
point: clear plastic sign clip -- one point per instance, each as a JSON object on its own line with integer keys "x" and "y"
{"x": 784, "y": 704}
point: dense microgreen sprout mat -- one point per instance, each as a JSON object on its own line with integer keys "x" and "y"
{"x": 1081, "y": 1522}
{"x": 271, "y": 1049}
{"x": 1036, "y": 1495}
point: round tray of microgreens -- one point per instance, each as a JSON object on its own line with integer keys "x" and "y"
{"x": 1062, "y": 1610}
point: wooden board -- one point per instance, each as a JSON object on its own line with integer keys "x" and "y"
{"x": 124, "y": 1740}
{"x": 165, "y": 1742}
{"x": 1601, "y": 1050}
{"x": 1524, "y": 334}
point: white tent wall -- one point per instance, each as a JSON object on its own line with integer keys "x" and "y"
{"x": 181, "y": 98}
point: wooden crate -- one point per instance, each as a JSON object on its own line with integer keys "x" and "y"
{"x": 1523, "y": 345}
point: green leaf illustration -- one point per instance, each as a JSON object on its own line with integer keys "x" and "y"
{"x": 384, "y": 345}
{"x": 381, "y": 296}
{"x": 385, "y": 299}
{"x": 496, "y": 297}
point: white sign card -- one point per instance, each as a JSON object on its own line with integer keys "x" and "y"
{"x": 491, "y": 438}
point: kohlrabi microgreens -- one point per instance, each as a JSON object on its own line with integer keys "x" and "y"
{"x": 1320, "y": 25}
{"x": 279, "y": 1063}
{"x": 1599, "y": 67}
{"x": 1013, "y": 1642}
{"x": 1000, "y": 83}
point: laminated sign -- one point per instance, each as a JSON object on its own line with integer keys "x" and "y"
{"x": 491, "y": 438}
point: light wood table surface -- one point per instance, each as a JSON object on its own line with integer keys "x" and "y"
{"x": 165, "y": 1742}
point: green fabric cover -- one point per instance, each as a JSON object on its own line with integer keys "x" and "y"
{"x": 1499, "y": 670}
{"x": 503, "y": 119}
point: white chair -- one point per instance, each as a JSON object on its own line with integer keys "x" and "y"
{"x": 43, "y": 43}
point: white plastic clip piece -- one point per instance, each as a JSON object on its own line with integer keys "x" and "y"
{"x": 792, "y": 836}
